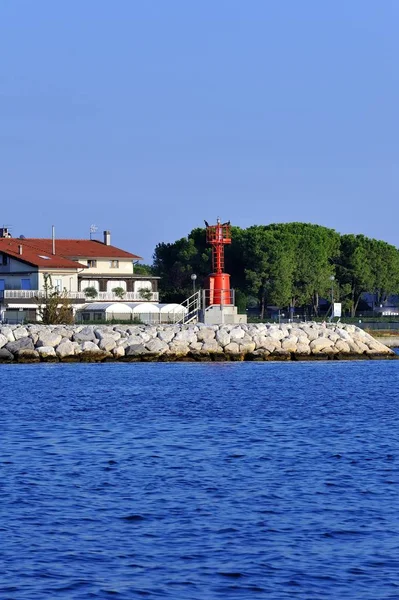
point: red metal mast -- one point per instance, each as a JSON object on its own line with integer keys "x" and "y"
{"x": 219, "y": 282}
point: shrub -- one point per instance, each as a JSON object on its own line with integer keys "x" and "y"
{"x": 90, "y": 292}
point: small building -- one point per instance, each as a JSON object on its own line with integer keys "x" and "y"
{"x": 143, "y": 312}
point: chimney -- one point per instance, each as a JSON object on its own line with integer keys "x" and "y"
{"x": 19, "y": 248}
{"x": 53, "y": 238}
{"x": 107, "y": 238}
{"x": 4, "y": 233}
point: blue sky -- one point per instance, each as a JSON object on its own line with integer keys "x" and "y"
{"x": 146, "y": 117}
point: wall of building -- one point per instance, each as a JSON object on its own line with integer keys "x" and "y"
{"x": 125, "y": 266}
{"x": 10, "y": 281}
{"x": 13, "y": 264}
{"x": 65, "y": 280}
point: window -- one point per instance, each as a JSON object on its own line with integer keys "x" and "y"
{"x": 4, "y": 259}
{"x": 92, "y": 264}
{"x": 114, "y": 264}
{"x": 25, "y": 284}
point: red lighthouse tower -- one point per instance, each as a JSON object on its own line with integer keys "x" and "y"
{"x": 219, "y": 282}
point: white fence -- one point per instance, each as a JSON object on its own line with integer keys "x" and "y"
{"x": 101, "y": 296}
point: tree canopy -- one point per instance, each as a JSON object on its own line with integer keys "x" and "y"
{"x": 290, "y": 265}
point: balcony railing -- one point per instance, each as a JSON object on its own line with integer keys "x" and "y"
{"x": 101, "y": 296}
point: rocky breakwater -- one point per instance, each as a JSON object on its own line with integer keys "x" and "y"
{"x": 299, "y": 341}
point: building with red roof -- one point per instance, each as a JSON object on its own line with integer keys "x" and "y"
{"x": 72, "y": 266}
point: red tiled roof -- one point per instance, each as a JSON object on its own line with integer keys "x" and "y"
{"x": 80, "y": 248}
{"x": 38, "y": 257}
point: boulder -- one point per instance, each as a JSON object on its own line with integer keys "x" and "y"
{"x": 186, "y": 336}
{"x": 342, "y": 346}
{"x": 136, "y": 350}
{"x": 289, "y": 343}
{"x": 247, "y": 347}
{"x": 6, "y": 355}
{"x": 275, "y": 334}
{"x": 205, "y": 334}
{"x": 232, "y": 348}
{"x": 223, "y": 337}
{"x": 84, "y": 335}
{"x": 65, "y": 349}
{"x": 320, "y": 344}
{"x": 28, "y": 355}
{"x": 23, "y": 343}
{"x": 166, "y": 335}
{"x": 107, "y": 343}
{"x": 236, "y": 334}
{"x": 179, "y": 348}
{"x": 46, "y": 352}
{"x": 89, "y": 347}
{"x": 156, "y": 346}
{"x": 211, "y": 346}
{"x": 20, "y": 332}
{"x": 3, "y": 340}
{"x": 48, "y": 338}
{"x": 118, "y": 352}
{"x": 8, "y": 333}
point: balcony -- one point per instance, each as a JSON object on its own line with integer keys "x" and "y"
{"x": 76, "y": 296}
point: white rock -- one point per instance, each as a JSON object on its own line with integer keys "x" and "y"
{"x": 205, "y": 334}
{"x": 89, "y": 347}
{"x": 118, "y": 352}
{"x": 48, "y": 339}
{"x": 166, "y": 335}
{"x": 236, "y": 334}
{"x": 157, "y": 346}
{"x": 232, "y": 348}
{"x": 211, "y": 346}
{"x": 179, "y": 348}
{"x": 8, "y": 332}
{"x": 303, "y": 348}
{"x": 45, "y": 351}
{"x": 247, "y": 347}
{"x": 186, "y": 336}
{"x": 342, "y": 346}
{"x": 107, "y": 343}
{"x": 66, "y": 348}
{"x": 223, "y": 337}
{"x": 320, "y": 344}
{"x": 21, "y": 332}
{"x": 276, "y": 334}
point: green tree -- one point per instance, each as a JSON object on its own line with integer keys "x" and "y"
{"x": 143, "y": 269}
{"x": 356, "y": 274}
{"x": 175, "y": 262}
{"x": 385, "y": 268}
{"x": 53, "y": 306}
{"x": 316, "y": 252}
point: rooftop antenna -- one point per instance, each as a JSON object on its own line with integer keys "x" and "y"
{"x": 93, "y": 229}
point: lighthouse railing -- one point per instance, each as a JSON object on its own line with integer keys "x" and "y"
{"x": 191, "y": 308}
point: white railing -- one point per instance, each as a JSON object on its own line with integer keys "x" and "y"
{"x": 101, "y": 296}
{"x": 191, "y": 308}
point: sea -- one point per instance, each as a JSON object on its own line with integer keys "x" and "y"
{"x": 200, "y": 481}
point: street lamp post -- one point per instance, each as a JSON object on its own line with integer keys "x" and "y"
{"x": 332, "y": 278}
{"x": 193, "y": 278}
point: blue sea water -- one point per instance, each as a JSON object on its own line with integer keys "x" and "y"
{"x": 200, "y": 481}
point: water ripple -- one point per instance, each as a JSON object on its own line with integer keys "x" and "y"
{"x": 200, "y": 481}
